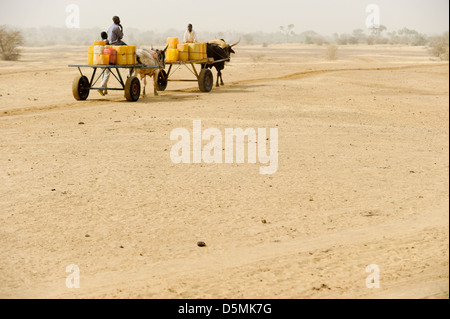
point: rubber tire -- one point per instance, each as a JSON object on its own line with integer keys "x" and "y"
{"x": 162, "y": 81}
{"x": 132, "y": 89}
{"x": 206, "y": 80}
{"x": 81, "y": 88}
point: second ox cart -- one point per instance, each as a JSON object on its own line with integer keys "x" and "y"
{"x": 199, "y": 68}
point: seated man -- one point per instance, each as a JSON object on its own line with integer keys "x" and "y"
{"x": 190, "y": 36}
{"x": 115, "y": 33}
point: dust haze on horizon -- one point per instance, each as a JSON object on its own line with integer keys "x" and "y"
{"x": 323, "y": 16}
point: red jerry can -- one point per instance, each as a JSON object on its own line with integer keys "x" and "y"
{"x": 112, "y": 55}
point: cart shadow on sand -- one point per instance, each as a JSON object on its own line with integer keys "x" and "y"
{"x": 166, "y": 98}
{"x": 187, "y": 94}
{"x": 230, "y": 88}
{"x": 177, "y": 95}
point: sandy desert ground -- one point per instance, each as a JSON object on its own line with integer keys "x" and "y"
{"x": 363, "y": 179}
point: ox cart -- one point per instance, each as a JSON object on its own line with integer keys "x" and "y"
{"x": 82, "y": 86}
{"x": 203, "y": 76}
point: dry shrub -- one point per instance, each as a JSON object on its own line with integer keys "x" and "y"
{"x": 331, "y": 52}
{"x": 444, "y": 56}
{"x": 10, "y": 40}
{"x": 439, "y": 46}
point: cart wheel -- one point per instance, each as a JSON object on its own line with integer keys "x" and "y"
{"x": 132, "y": 89}
{"x": 81, "y": 88}
{"x": 205, "y": 80}
{"x": 162, "y": 81}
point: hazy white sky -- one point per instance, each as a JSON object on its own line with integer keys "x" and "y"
{"x": 323, "y": 16}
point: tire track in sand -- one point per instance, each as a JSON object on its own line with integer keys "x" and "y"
{"x": 309, "y": 73}
{"x": 8, "y": 113}
{"x": 292, "y": 76}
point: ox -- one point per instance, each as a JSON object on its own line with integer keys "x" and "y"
{"x": 219, "y": 50}
{"x": 150, "y": 58}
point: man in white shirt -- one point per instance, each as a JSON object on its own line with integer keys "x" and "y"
{"x": 190, "y": 36}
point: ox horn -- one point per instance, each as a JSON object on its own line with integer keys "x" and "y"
{"x": 235, "y": 44}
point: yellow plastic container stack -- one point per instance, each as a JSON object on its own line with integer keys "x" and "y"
{"x": 183, "y": 48}
{"x": 105, "y": 59}
{"x": 101, "y": 59}
{"x": 98, "y": 49}
{"x": 102, "y": 43}
{"x": 173, "y": 43}
{"x": 203, "y": 50}
{"x": 195, "y": 51}
{"x": 172, "y": 55}
{"x": 122, "y": 51}
{"x": 91, "y": 55}
{"x": 131, "y": 55}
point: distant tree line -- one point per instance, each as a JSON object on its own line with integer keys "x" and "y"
{"x": 438, "y": 44}
{"x": 11, "y": 40}
{"x": 380, "y": 35}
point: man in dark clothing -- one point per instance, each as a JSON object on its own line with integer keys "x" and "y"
{"x": 104, "y": 36}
